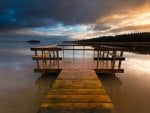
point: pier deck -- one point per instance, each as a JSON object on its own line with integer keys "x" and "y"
{"x": 78, "y": 91}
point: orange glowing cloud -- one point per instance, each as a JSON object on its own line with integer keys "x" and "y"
{"x": 131, "y": 20}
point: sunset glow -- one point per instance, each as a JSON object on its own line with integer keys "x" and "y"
{"x": 94, "y": 19}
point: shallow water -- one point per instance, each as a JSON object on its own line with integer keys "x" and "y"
{"x": 22, "y": 90}
{"x": 133, "y": 93}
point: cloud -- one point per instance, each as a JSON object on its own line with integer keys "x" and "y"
{"x": 137, "y": 28}
{"x": 29, "y": 14}
{"x": 98, "y": 27}
{"x": 35, "y": 13}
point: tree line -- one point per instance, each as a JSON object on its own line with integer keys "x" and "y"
{"x": 132, "y": 37}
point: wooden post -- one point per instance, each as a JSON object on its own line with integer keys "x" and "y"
{"x": 100, "y": 53}
{"x": 57, "y": 58}
{"x": 50, "y": 56}
{"x": 43, "y": 56}
{"x": 54, "y": 56}
{"x": 73, "y": 52}
{"x": 113, "y": 62}
{"x": 103, "y": 54}
{"x": 121, "y": 54}
{"x": 37, "y": 61}
{"x": 83, "y": 52}
{"x": 63, "y": 52}
{"x": 107, "y": 55}
{"x": 98, "y": 50}
{"x": 94, "y": 53}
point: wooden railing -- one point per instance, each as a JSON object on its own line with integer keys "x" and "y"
{"x": 109, "y": 59}
{"x": 47, "y": 58}
{"x": 74, "y": 47}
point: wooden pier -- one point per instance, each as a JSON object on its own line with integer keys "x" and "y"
{"x": 77, "y": 89}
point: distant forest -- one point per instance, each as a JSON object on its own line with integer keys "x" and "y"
{"x": 135, "y": 42}
{"x": 133, "y": 37}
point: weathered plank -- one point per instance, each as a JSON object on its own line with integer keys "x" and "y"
{"x": 45, "y": 58}
{"x": 106, "y": 59}
{"x": 47, "y": 70}
{"x": 77, "y": 90}
{"x": 109, "y": 70}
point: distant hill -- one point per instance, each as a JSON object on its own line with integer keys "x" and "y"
{"x": 133, "y": 37}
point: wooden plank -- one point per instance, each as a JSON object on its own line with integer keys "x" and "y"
{"x": 109, "y": 48}
{"x": 121, "y": 55}
{"x": 109, "y": 70}
{"x": 77, "y": 90}
{"x": 79, "y": 49}
{"x": 78, "y": 86}
{"x": 75, "y": 108}
{"x": 45, "y": 48}
{"x": 45, "y": 58}
{"x": 109, "y": 58}
{"x": 47, "y": 70}
{"x": 50, "y": 46}
{"x": 50, "y": 98}
{"x": 69, "y": 45}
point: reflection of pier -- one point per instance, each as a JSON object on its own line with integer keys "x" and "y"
{"x": 112, "y": 85}
{"x": 77, "y": 88}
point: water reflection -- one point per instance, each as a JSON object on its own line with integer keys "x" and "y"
{"x": 22, "y": 91}
{"x": 139, "y": 50}
{"x": 138, "y": 62}
{"x": 112, "y": 85}
{"x": 45, "y": 82}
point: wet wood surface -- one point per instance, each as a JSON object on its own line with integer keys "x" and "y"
{"x": 77, "y": 90}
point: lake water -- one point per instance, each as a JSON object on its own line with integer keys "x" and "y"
{"x": 22, "y": 90}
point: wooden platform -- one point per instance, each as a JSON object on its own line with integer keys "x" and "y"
{"x": 77, "y": 91}
{"x": 48, "y": 58}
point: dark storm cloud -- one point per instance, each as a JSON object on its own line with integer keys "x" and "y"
{"x": 35, "y": 13}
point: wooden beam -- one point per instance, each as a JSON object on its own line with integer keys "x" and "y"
{"x": 46, "y": 48}
{"x": 79, "y": 49}
{"x": 109, "y": 58}
{"x": 46, "y": 58}
{"x": 109, "y": 70}
{"x": 47, "y": 70}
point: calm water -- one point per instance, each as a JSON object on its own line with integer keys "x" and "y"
{"x": 21, "y": 90}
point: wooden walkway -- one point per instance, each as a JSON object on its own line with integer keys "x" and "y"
{"x": 77, "y": 91}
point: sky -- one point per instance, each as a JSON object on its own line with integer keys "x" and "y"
{"x": 74, "y": 19}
